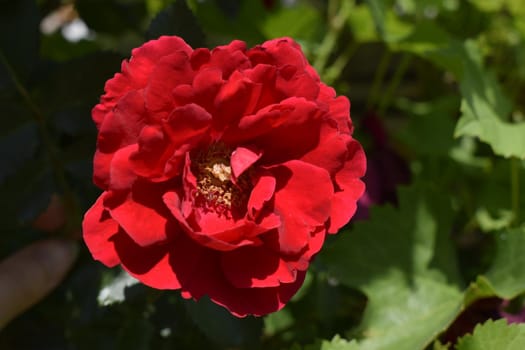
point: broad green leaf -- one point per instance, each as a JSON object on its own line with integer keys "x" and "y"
{"x": 402, "y": 260}
{"x": 507, "y": 274}
{"x": 494, "y": 335}
{"x": 177, "y": 19}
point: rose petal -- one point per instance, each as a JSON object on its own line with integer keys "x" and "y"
{"x": 262, "y": 193}
{"x": 242, "y": 159}
{"x": 226, "y": 238}
{"x": 229, "y": 58}
{"x": 153, "y": 151}
{"x": 171, "y": 71}
{"x": 141, "y": 213}
{"x": 254, "y": 301}
{"x": 350, "y": 185}
{"x": 135, "y": 73}
{"x": 97, "y": 228}
{"x": 256, "y": 267}
{"x": 121, "y": 175}
{"x": 150, "y": 265}
{"x": 290, "y": 113}
{"x": 302, "y": 200}
{"x": 233, "y": 100}
{"x": 331, "y": 151}
{"x": 339, "y": 108}
{"x": 161, "y": 153}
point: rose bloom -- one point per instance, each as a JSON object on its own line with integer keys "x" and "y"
{"x": 222, "y": 171}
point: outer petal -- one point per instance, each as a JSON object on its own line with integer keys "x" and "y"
{"x": 171, "y": 71}
{"x": 331, "y": 151}
{"x": 350, "y": 185}
{"x": 150, "y": 265}
{"x": 97, "y": 228}
{"x": 136, "y": 72}
{"x": 141, "y": 213}
{"x": 200, "y": 273}
{"x": 121, "y": 175}
{"x": 339, "y": 108}
{"x": 255, "y": 301}
{"x": 256, "y": 267}
{"x": 120, "y": 128}
{"x": 302, "y": 200}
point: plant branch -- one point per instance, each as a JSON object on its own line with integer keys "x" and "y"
{"x": 73, "y": 212}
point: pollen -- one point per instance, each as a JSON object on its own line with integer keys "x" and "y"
{"x": 215, "y": 189}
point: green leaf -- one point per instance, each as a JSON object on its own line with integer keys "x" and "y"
{"x": 299, "y": 22}
{"x": 177, "y": 19}
{"x": 337, "y": 343}
{"x": 402, "y": 260}
{"x": 222, "y": 327}
{"x": 362, "y": 24}
{"x": 484, "y": 108}
{"x": 377, "y": 10}
{"x": 507, "y": 275}
{"x": 430, "y": 127}
{"x": 494, "y": 335}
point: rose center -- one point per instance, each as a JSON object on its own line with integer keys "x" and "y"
{"x": 215, "y": 189}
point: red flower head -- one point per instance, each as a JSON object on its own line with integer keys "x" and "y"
{"x": 222, "y": 171}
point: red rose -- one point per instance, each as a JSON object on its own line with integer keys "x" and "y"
{"x": 222, "y": 171}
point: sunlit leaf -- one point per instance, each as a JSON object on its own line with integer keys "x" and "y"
{"x": 299, "y": 22}
{"x": 485, "y": 109}
{"x": 494, "y": 335}
{"x": 402, "y": 261}
{"x": 507, "y": 275}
